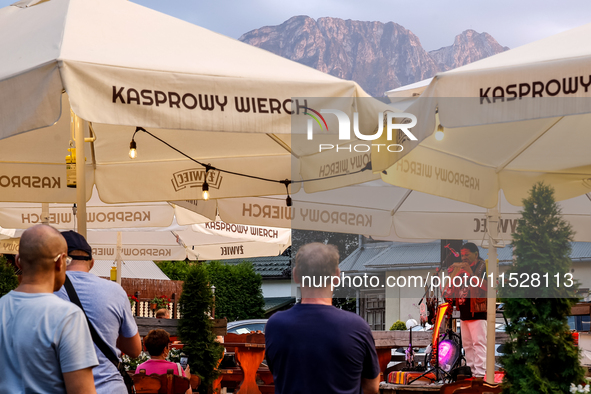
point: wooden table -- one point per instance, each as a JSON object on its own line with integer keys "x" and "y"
{"x": 145, "y": 324}
{"x": 249, "y": 352}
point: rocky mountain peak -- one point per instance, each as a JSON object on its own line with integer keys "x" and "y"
{"x": 468, "y": 47}
{"x": 379, "y": 56}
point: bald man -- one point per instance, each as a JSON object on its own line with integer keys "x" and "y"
{"x": 314, "y": 347}
{"x": 45, "y": 344}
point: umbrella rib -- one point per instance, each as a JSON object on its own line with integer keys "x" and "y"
{"x": 397, "y": 207}
{"x": 506, "y": 162}
{"x": 281, "y": 143}
{"x": 524, "y": 147}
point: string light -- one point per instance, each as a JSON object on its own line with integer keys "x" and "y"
{"x": 439, "y": 134}
{"x": 287, "y": 182}
{"x": 132, "y": 149}
{"x": 205, "y": 186}
{"x": 209, "y": 167}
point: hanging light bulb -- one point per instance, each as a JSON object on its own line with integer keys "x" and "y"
{"x": 205, "y": 189}
{"x": 439, "y": 134}
{"x": 287, "y": 182}
{"x": 132, "y": 149}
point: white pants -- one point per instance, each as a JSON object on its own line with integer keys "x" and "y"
{"x": 474, "y": 343}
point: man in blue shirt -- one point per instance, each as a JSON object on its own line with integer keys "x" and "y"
{"x": 45, "y": 345}
{"x": 314, "y": 347}
{"x": 108, "y": 309}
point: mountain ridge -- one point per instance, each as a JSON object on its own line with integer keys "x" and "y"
{"x": 378, "y": 56}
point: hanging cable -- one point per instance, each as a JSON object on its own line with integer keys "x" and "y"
{"x": 209, "y": 167}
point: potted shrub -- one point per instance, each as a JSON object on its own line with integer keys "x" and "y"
{"x": 132, "y": 301}
{"x": 159, "y": 302}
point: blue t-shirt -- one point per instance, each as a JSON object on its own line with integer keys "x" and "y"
{"x": 41, "y": 337}
{"x": 319, "y": 349}
{"x": 109, "y": 311}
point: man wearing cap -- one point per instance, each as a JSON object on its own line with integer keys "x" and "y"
{"x": 107, "y": 307}
{"x": 45, "y": 345}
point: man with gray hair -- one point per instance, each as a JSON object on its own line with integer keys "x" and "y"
{"x": 314, "y": 347}
{"x": 45, "y": 344}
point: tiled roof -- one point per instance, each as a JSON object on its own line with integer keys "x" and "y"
{"x": 384, "y": 255}
{"x": 269, "y": 267}
{"x": 131, "y": 269}
{"x": 273, "y": 303}
{"x": 581, "y": 251}
{"x": 355, "y": 261}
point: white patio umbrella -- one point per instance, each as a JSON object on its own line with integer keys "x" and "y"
{"x": 510, "y": 121}
{"x": 509, "y": 142}
{"x": 90, "y": 69}
{"x": 14, "y": 215}
{"x": 380, "y": 210}
{"x": 140, "y": 231}
{"x": 178, "y": 245}
{"x": 167, "y": 244}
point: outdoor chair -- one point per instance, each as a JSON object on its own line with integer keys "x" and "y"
{"x": 168, "y": 383}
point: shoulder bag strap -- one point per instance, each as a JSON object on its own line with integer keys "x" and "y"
{"x": 103, "y": 347}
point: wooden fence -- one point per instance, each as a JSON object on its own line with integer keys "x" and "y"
{"x": 150, "y": 288}
{"x": 146, "y": 289}
{"x": 143, "y": 308}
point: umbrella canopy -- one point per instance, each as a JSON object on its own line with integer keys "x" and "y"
{"x": 173, "y": 243}
{"x": 99, "y": 215}
{"x": 510, "y": 120}
{"x": 118, "y": 65}
{"x": 379, "y": 210}
{"x": 148, "y": 231}
{"x": 178, "y": 245}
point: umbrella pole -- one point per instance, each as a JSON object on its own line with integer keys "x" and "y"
{"x": 79, "y": 126}
{"x": 118, "y": 257}
{"x": 45, "y": 213}
{"x": 491, "y": 305}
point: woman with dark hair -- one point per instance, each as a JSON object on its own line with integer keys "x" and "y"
{"x": 472, "y": 305}
{"x": 157, "y": 344}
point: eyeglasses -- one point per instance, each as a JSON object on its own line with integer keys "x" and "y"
{"x": 68, "y": 258}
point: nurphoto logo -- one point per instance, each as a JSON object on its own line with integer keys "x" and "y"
{"x": 344, "y": 125}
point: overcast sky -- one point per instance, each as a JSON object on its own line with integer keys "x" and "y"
{"x": 436, "y": 22}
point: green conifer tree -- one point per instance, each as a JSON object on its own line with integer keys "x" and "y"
{"x": 195, "y": 326}
{"x": 541, "y": 357}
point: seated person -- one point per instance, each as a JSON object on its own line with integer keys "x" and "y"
{"x": 156, "y": 343}
{"x": 162, "y": 314}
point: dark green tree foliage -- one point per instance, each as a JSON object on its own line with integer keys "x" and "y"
{"x": 175, "y": 270}
{"x": 346, "y": 243}
{"x": 195, "y": 326}
{"x": 8, "y": 280}
{"x": 344, "y": 298}
{"x": 542, "y": 357}
{"x": 238, "y": 291}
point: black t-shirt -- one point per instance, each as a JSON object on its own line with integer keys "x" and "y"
{"x": 319, "y": 349}
{"x": 464, "y": 303}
